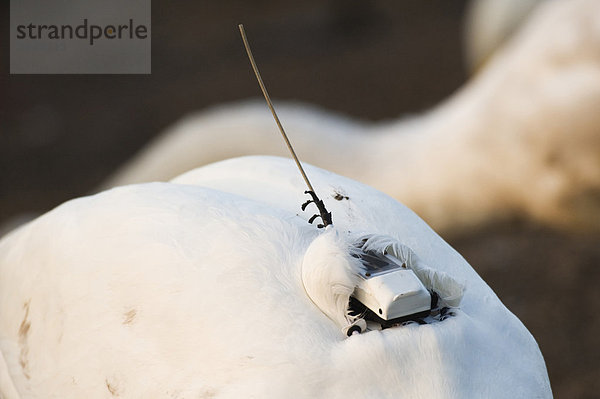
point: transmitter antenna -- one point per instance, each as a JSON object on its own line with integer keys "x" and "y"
{"x": 323, "y": 213}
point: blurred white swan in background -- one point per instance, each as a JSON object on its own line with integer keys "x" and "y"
{"x": 489, "y": 24}
{"x": 194, "y": 289}
{"x": 520, "y": 139}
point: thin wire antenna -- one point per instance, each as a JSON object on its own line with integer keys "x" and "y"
{"x": 270, "y": 104}
{"x": 325, "y": 216}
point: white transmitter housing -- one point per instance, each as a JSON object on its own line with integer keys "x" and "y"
{"x": 390, "y": 289}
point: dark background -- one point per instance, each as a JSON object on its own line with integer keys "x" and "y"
{"x": 61, "y": 135}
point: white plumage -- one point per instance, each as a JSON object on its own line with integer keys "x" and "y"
{"x": 521, "y": 139}
{"x": 194, "y": 289}
{"x": 489, "y": 24}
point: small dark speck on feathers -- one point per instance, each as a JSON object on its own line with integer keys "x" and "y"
{"x": 208, "y": 393}
{"x": 111, "y": 389}
{"x": 339, "y": 196}
{"x": 23, "y": 335}
{"x": 129, "y": 316}
{"x": 25, "y": 324}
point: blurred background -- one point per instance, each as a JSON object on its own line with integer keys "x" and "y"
{"x": 62, "y": 135}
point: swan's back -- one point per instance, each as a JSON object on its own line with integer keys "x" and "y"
{"x": 193, "y": 289}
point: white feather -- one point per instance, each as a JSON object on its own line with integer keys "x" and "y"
{"x": 330, "y": 274}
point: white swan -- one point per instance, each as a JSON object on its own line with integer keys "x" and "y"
{"x": 490, "y": 23}
{"x": 522, "y": 138}
{"x": 193, "y": 289}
